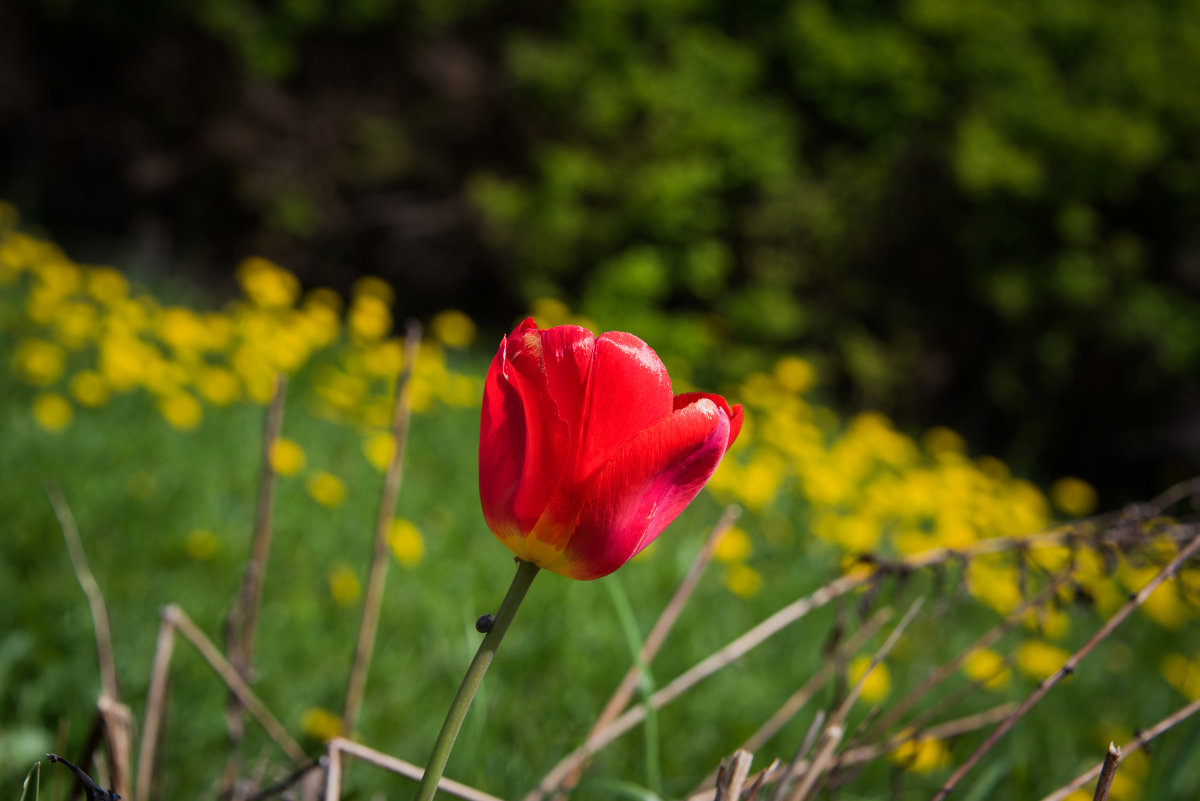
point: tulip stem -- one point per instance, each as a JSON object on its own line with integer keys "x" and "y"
{"x": 470, "y": 683}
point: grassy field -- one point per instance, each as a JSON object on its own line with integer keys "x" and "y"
{"x": 149, "y": 416}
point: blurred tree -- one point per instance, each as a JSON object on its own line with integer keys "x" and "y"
{"x": 969, "y": 211}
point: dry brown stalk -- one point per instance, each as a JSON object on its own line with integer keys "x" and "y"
{"x": 237, "y": 685}
{"x": 799, "y": 759}
{"x": 1069, "y": 666}
{"x": 989, "y": 638}
{"x": 801, "y": 697}
{"x": 1108, "y": 772}
{"x": 156, "y": 701}
{"x": 940, "y": 731}
{"x": 242, "y": 619}
{"x": 731, "y": 776}
{"x": 1143, "y": 738}
{"x": 115, "y": 718}
{"x": 340, "y": 745}
{"x": 830, "y": 738}
{"x": 333, "y": 773}
{"x": 377, "y": 577}
{"x": 865, "y": 753}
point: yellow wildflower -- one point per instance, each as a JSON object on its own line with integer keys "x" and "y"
{"x": 743, "y": 580}
{"x": 379, "y": 448}
{"x": 267, "y": 284}
{"x": 326, "y": 489}
{"x": 987, "y": 668}
{"x": 88, "y": 388}
{"x": 922, "y": 755}
{"x": 320, "y": 724}
{"x": 52, "y": 411}
{"x": 406, "y": 542}
{"x": 344, "y": 586}
{"x": 453, "y": 329}
{"x": 878, "y": 684}
{"x": 39, "y": 362}
{"x": 287, "y": 457}
{"x": 734, "y": 546}
{"x": 200, "y": 544}
{"x": 1039, "y": 660}
{"x": 1073, "y": 496}
{"x": 181, "y": 410}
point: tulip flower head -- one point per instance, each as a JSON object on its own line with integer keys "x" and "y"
{"x": 585, "y": 453}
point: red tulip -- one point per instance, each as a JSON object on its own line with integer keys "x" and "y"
{"x": 585, "y": 455}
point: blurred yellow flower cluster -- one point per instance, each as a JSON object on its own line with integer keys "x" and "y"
{"x": 86, "y": 334}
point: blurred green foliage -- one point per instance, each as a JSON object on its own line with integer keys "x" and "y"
{"x": 980, "y": 213}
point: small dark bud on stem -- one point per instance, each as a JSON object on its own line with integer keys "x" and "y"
{"x": 484, "y": 624}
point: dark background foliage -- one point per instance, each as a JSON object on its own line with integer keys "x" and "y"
{"x": 969, "y": 212}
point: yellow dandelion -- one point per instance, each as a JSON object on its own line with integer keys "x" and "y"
{"x": 878, "y": 684}
{"x": 52, "y": 411}
{"x": 922, "y": 755}
{"x": 218, "y": 385}
{"x": 200, "y": 544}
{"x": 287, "y": 457}
{"x": 38, "y": 362}
{"x": 266, "y": 284}
{"x": 743, "y": 580}
{"x": 88, "y": 388}
{"x": 795, "y": 374}
{"x": 372, "y": 287}
{"x": 987, "y": 668}
{"x": 734, "y": 546}
{"x": 326, "y": 489}
{"x": 1164, "y": 606}
{"x": 181, "y": 410}
{"x": 1039, "y": 660}
{"x": 370, "y": 318}
{"x": 1183, "y": 674}
{"x": 941, "y": 441}
{"x": 406, "y": 542}
{"x": 344, "y": 586}
{"x": 182, "y": 329}
{"x": 76, "y": 324}
{"x": 106, "y": 285}
{"x": 379, "y": 448}
{"x": 1073, "y": 496}
{"x": 320, "y": 724}
{"x": 385, "y": 359}
{"x": 453, "y": 329}
{"x": 460, "y": 391}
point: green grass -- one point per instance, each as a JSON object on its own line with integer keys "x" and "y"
{"x": 137, "y": 488}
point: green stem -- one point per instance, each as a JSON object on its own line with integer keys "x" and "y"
{"x": 470, "y": 683}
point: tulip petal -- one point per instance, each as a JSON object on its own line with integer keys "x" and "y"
{"x": 628, "y": 390}
{"x": 733, "y": 412}
{"x": 645, "y": 486}
{"x": 532, "y": 401}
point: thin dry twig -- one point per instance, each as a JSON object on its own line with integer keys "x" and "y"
{"x": 115, "y": 717}
{"x": 1069, "y": 666}
{"x": 242, "y": 620}
{"x": 1108, "y": 772}
{"x": 987, "y": 639}
{"x": 830, "y": 737}
{"x": 340, "y": 745}
{"x": 801, "y": 697}
{"x": 184, "y": 625}
{"x": 377, "y": 578}
{"x": 731, "y": 776}
{"x": 1141, "y": 740}
{"x": 156, "y": 702}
